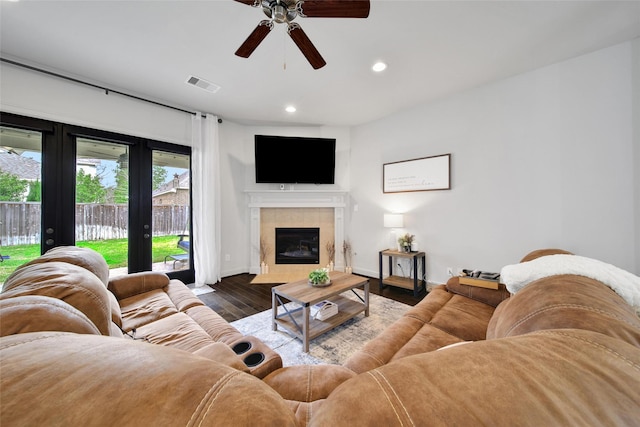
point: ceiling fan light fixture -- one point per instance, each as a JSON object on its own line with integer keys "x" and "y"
{"x": 379, "y": 67}
{"x": 279, "y": 13}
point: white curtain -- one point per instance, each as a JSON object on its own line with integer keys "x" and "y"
{"x": 205, "y": 182}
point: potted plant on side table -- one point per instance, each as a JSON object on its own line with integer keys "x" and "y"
{"x": 405, "y": 242}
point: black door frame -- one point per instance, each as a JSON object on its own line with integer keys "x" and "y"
{"x": 59, "y": 181}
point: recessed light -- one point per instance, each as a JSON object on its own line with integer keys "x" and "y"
{"x": 379, "y": 66}
{"x": 290, "y": 109}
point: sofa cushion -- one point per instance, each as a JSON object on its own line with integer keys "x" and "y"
{"x": 142, "y": 309}
{"x": 34, "y": 313}
{"x": 133, "y": 284}
{"x": 307, "y": 383}
{"x": 83, "y": 257}
{"x": 548, "y": 378}
{"x": 93, "y": 380}
{"x": 182, "y": 297}
{"x": 177, "y": 330}
{"x": 214, "y": 324}
{"x": 307, "y": 386}
{"x": 440, "y": 319}
{"x": 461, "y": 317}
{"x": 68, "y": 282}
{"x": 566, "y": 301}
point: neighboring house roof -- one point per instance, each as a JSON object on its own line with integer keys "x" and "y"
{"x": 171, "y": 187}
{"x": 22, "y": 167}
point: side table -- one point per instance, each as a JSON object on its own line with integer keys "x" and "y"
{"x": 404, "y": 282}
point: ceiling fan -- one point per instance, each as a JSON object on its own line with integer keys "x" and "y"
{"x": 285, "y": 11}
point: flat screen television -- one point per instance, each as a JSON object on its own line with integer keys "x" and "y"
{"x": 294, "y": 160}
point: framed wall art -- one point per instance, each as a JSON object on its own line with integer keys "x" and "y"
{"x": 423, "y": 174}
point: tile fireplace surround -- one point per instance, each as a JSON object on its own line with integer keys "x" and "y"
{"x": 301, "y": 203}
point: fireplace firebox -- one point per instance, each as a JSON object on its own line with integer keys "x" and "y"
{"x": 298, "y": 245}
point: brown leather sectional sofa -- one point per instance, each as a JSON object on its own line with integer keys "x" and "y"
{"x": 565, "y": 350}
{"x": 142, "y": 306}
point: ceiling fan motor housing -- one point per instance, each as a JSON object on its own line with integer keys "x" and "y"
{"x": 280, "y": 11}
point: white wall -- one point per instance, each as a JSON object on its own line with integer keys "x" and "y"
{"x": 543, "y": 159}
{"x": 34, "y": 94}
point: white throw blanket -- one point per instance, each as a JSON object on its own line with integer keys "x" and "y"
{"x": 625, "y": 284}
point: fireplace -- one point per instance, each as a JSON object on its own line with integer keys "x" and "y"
{"x": 269, "y": 210}
{"x": 298, "y": 245}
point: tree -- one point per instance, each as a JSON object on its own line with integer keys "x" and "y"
{"x": 12, "y": 188}
{"x": 121, "y": 192}
{"x": 159, "y": 176}
{"x": 89, "y": 189}
{"x": 35, "y": 189}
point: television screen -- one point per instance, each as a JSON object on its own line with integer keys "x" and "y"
{"x": 294, "y": 160}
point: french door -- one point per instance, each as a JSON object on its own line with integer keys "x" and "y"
{"x": 126, "y": 197}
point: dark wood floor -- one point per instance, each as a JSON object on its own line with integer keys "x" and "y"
{"x": 235, "y": 297}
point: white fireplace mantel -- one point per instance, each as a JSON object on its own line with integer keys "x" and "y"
{"x": 292, "y": 199}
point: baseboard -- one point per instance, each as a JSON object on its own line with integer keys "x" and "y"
{"x": 364, "y": 272}
{"x": 233, "y": 272}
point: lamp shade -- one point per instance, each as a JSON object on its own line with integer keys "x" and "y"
{"x": 393, "y": 220}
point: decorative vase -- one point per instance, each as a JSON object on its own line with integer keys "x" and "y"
{"x": 414, "y": 246}
{"x": 330, "y": 266}
{"x": 348, "y": 270}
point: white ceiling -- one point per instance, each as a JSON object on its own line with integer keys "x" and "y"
{"x": 433, "y": 49}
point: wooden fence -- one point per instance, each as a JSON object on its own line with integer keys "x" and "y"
{"x": 20, "y": 222}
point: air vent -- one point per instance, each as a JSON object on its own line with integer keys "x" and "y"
{"x": 203, "y": 84}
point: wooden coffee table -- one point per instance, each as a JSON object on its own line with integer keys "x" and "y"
{"x": 296, "y": 320}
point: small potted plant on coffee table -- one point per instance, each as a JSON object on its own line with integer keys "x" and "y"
{"x": 319, "y": 278}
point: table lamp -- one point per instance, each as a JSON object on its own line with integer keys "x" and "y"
{"x": 393, "y": 221}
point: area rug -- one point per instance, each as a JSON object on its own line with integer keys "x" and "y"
{"x": 276, "y": 278}
{"x": 333, "y": 347}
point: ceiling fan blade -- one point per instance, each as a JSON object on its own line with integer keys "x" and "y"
{"x": 333, "y": 8}
{"x": 254, "y": 3}
{"x": 306, "y": 47}
{"x": 255, "y": 38}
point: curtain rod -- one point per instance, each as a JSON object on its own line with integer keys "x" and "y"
{"x": 104, "y": 88}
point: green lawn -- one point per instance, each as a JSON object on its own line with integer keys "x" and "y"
{"x": 114, "y": 252}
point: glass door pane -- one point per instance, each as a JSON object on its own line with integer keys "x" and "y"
{"x": 171, "y": 199}
{"x": 102, "y": 200}
{"x": 20, "y": 197}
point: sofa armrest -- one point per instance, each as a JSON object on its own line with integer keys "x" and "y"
{"x": 222, "y": 353}
{"x": 491, "y": 297}
{"x": 137, "y": 283}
